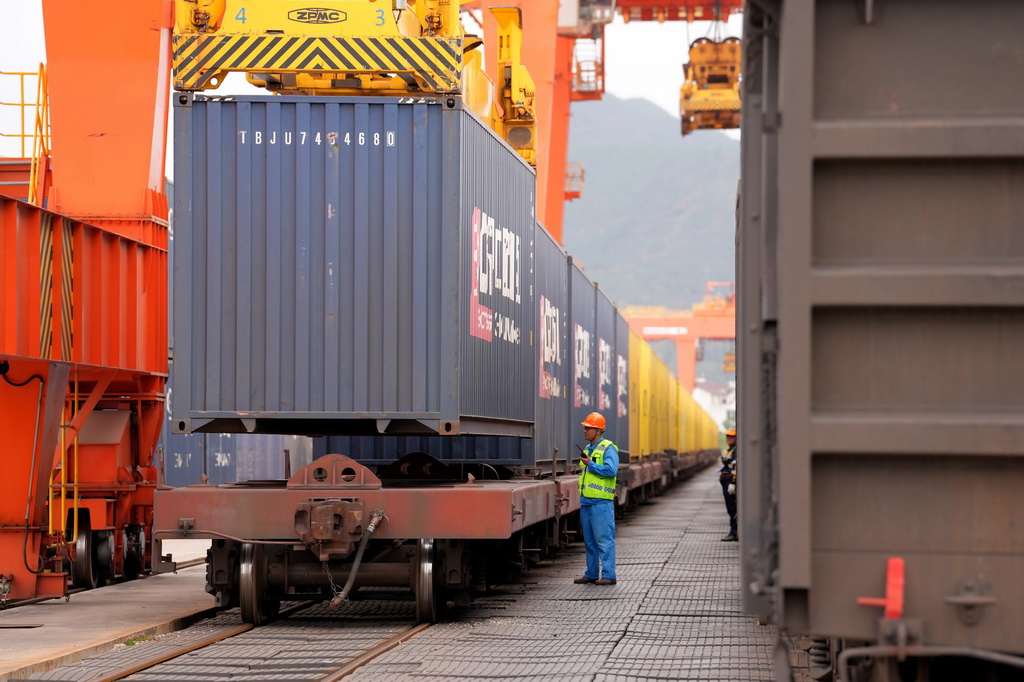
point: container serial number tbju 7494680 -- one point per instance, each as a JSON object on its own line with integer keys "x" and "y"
{"x": 386, "y": 138}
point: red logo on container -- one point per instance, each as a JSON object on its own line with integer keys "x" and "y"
{"x": 550, "y": 354}
{"x": 481, "y": 318}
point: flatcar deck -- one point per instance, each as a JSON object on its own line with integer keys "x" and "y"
{"x": 674, "y": 614}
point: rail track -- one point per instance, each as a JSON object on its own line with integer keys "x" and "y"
{"x": 309, "y": 641}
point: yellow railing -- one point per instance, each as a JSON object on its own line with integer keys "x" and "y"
{"x": 37, "y": 111}
{"x": 58, "y": 525}
{"x": 573, "y": 180}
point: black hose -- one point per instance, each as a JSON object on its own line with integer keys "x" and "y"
{"x": 342, "y": 596}
{"x": 4, "y": 368}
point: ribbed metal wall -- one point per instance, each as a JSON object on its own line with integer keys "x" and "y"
{"x": 328, "y": 270}
{"x": 622, "y": 383}
{"x": 882, "y": 313}
{"x": 554, "y": 357}
{"x": 604, "y": 362}
{"x": 226, "y": 457}
{"x": 498, "y": 233}
{"x": 583, "y": 351}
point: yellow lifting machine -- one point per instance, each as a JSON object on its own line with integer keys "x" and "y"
{"x": 357, "y": 47}
{"x": 710, "y": 94}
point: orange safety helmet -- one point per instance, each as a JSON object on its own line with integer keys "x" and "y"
{"x": 594, "y": 420}
{"x": 731, "y": 432}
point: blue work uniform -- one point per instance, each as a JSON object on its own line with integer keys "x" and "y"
{"x": 597, "y": 514}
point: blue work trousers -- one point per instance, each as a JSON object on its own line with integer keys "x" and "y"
{"x": 598, "y": 521}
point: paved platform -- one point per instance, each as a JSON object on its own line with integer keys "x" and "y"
{"x": 674, "y": 615}
{"x": 54, "y": 633}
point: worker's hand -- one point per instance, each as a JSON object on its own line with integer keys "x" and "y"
{"x": 732, "y": 488}
{"x": 584, "y": 461}
{"x": 726, "y": 459}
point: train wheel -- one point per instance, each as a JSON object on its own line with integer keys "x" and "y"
{"x": 252, "y": 586}
{"x": 430, "y": 601}
{"x": 85, "y": 572}
{"x": 103, "y": 556}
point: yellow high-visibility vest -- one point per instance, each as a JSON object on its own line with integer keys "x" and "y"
{"x": 592, "y": 485}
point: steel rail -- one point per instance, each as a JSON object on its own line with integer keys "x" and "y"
{"x": 133, "y": 668}
{"x": 372, "y": 653}
{"x": 338, "y": 673}
{"x": 222, "y": 634}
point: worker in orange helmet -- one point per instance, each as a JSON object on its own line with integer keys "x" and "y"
{"x": 600, "y": 465}
{"x": 727, "y": 478}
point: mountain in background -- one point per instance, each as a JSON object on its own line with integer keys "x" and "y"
{"x": 657, "y": 219}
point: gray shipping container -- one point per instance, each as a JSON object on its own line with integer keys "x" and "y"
{"x": 555, "y": 432}
{"x": 881, "y": 303}
{"x": 185, "y": 459}
{"x": 350, "y": 266}
{"x": 583, "y": 332}
{"x": 488, "y": 451}
{"x": 621, "y": 400}
{"x": 604, "y": 367}
{"x": 226, "y": 457}
{"x": 231, "y": 457}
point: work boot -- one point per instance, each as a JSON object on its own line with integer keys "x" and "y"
{"x": 730, "y": 538}
{"x": 584, "y": 580}
{"x": 604, "y": 581}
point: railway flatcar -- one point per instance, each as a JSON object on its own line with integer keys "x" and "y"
{"x": 369, "y": 271}
{"x": 880, "y": 303}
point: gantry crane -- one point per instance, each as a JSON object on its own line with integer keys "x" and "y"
{"x": 358, "y": 48}
{"x": 712, "y": 318}
{"x": 709, "y": 98}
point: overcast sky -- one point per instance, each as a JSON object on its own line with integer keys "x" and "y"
{"x": 642, "y": 59}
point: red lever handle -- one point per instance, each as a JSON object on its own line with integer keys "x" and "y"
{"x": 894, "y": 584}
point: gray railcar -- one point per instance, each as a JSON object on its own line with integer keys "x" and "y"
{"x": 881, "y": 322}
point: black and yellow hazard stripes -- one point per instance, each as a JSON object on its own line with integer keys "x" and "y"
{"x": 67, "y": 289}
{"x": 433, "y": 62}
{"x": 45, "y": 285}
{"x": 48, "y": 258}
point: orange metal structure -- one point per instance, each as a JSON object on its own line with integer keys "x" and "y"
{"x": 83, "y": 309}
{"x": 677, "y": 10}
{"x": 713, "y": 318}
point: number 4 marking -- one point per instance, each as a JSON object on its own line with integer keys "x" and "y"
{"x": 241, "y": 15}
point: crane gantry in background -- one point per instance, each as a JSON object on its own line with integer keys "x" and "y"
{"x": 713, "y": 318}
